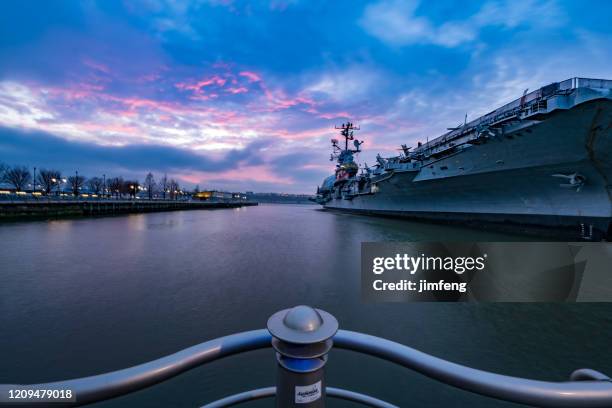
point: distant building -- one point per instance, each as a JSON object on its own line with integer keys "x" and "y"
{"x": 214, "y": 195}
{"x": 202, "y": 195}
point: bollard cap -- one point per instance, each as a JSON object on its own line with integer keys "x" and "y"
{"x": 303, "y": 319}
{"x": 302, "y": 325}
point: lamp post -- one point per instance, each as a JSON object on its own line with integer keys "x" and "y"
{"x": 104, "y": 186}
{"x": 34, "y": 181}
{"x": 58, "y": 181}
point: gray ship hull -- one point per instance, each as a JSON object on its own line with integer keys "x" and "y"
{"x": 515, "y": 179}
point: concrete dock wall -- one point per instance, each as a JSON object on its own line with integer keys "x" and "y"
{"x": 51, "y": 209}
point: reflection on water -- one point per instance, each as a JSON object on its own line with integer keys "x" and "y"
{"x": 80, "y": 297}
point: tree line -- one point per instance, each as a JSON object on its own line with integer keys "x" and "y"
{"x": 49, "y": 181}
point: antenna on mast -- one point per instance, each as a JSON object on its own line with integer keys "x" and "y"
{"x": 346, "y": 131}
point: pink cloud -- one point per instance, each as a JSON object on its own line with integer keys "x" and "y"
{"x": 278, "y": 100}
{"x": 251, "y": 76}
{"x": 109, "y": 128}
{"x": 198, "y": 85}
{"x": 334, "y": 115}
{"x": 237, "y": 90}
{"x": 261, "y": 173}
{"x": 131, "y": 107}
{"x": 201, "y": 120}
{"x": 306, "y": 134}
{"x": 321, "y": 167}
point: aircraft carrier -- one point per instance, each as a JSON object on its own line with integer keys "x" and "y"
{"x": 540, "y": 163}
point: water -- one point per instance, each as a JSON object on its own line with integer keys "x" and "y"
{"x": 85, "y": 296}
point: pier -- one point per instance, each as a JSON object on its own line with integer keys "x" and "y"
{"x": 41, "y": 209}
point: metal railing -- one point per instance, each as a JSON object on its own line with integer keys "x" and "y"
{"x": 269, "y": 392}
{"x": 514, "y": 108}
{"x": 302, "y": 338}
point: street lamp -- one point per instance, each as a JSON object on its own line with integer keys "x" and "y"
{"x": 54, "y": 180}
{"x": 34, "y": 181}
{"x": 104, "y": 186}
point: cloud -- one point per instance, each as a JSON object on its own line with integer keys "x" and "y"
{"x": 32, "y": 148}
{"x": 248, "y": 165}
{"x": 345, "y": 84}
{"x": 222, "y": 90}
{"x": 397, "y": 23}
{"x": 394, "y": 22}
{"x": 182, "y": 129}
{"x": 510, "y": 14}
{"x": 81, "y": 112}
{"x": 252, "y": 76}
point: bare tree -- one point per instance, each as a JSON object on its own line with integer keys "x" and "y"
{"x": 76, "y": 182}
{"x": 3, "y": 169}
{"x": 48, "y": 179}
{"x": 163, "y": 184}
{"x": 115, "y": 185}
{"x": 95, "y": 185}
{"x": 149, "y": 184}
{"x": 17, "y": 176}
{"x": 174, "y": 188}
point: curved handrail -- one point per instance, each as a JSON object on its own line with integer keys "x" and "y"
{"x": 586, "y": 374}
{"x": 591, "y": 390}
{"x": 269, "y": 392}
{"x": 113, "y": 384}
{"x": 251, "y": 395}
{"x": 357, "y": 397}
{"x": 583, "y": 394}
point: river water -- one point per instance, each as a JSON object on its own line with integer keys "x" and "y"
{"x": 84, "y": 296}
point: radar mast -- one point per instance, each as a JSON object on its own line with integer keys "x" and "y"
{"x": 346, "y": 166}
{"x": 347, "y": 132}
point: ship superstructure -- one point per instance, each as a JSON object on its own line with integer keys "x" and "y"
{"x": 542, "y": 161}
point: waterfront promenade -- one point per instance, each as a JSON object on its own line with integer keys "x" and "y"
{"x": 42, "y": 208}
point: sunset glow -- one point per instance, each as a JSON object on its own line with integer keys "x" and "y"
{"x": 243, "y": 96}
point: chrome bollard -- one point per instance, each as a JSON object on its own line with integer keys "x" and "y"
{"x": 302, "y": 337}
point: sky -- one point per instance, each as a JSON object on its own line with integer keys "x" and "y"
{"x": 244, "y": 96}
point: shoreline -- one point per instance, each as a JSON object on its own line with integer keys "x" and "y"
{"x": 40, "y": 210}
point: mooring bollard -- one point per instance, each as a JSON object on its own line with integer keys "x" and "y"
{"x": 302, "y": 337}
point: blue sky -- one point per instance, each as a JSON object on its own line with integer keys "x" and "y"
{"x": 245, "y": 95}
